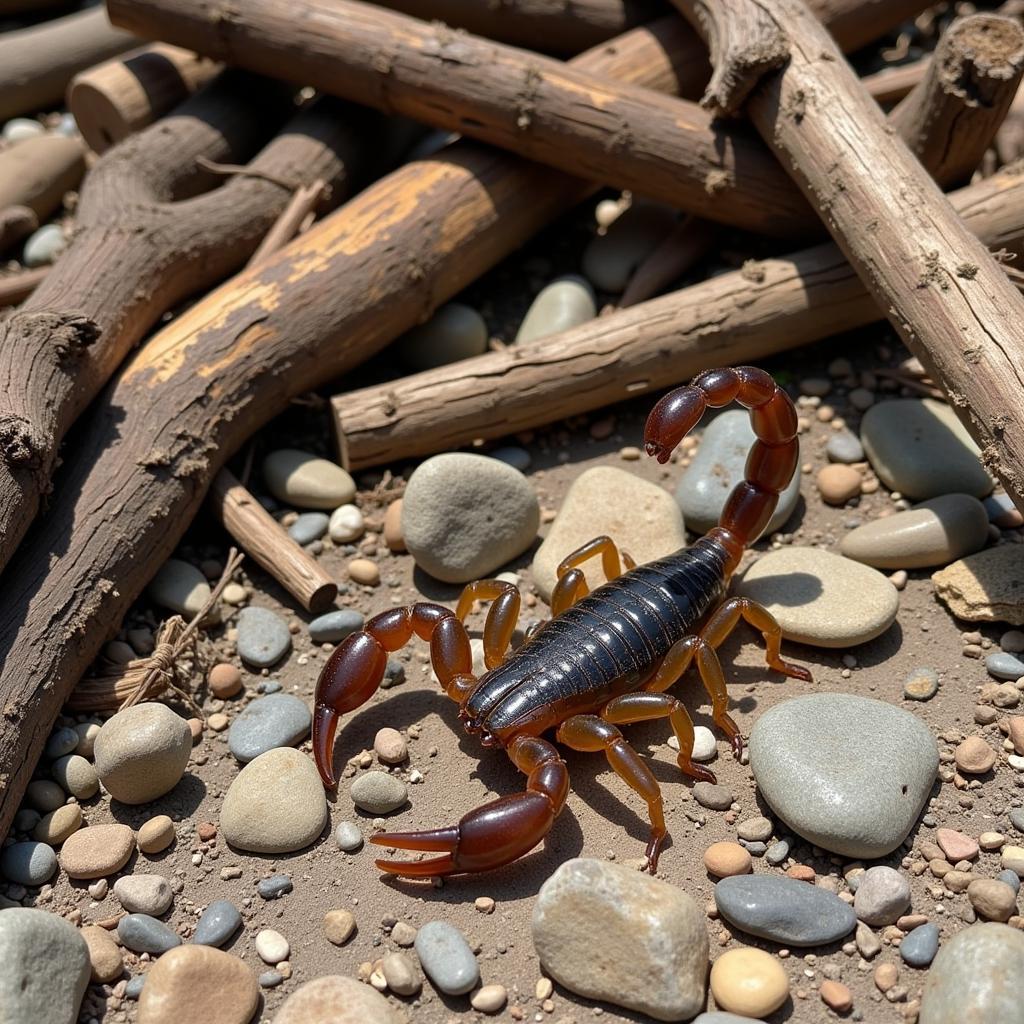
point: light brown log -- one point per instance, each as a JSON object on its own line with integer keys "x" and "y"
{"x": 941, "y": 289}
{"x": 119, "y": 97}
{"x": 37, "y": 63}
{"x": 136, "y": 252}
{"x": 891, "y": 85}
{"x": 684, "y": 247}
{"x": 951, "y": 117}
{"x": 37, "y": 172}
{"x": 768, "y": 306}
{"x": 268, "y": 543}
{"x": 558, "y": 114}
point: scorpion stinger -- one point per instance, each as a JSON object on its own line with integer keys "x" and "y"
{"x": 604, "y": 659}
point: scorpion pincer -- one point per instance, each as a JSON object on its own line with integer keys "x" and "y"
{"x": 602, "y": 660}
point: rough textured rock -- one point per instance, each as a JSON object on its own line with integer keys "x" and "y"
{"x": 337, "y": 1000}
{"x": 985, "y": 587}
{"x": 275, "y": 805}
{"x": 198, "y": 983}
{"x": 464, "y": 516}
{"x": 847, "y": 773}
{"x": 610, "y": 933}
{"x": 46, "y": 968}
{"x": 141, "y": 752}
{"x": 639, "y": 516}
{"x": 976, "y": 978}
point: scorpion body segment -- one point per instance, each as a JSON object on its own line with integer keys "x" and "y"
{"x": 604, "y": 659}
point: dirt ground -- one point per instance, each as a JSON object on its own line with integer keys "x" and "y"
{"x": 603, "y": 819}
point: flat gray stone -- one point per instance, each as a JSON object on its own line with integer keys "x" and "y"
{"x": 847, "y": 773}
{"x": 784, "y": 910}
{"x": 309, "y": 526}
{"x": 464, "y": 516}
{"x": 920, "y": 448}
{"x": 936, "y": 532}
{"x": 220, "y": 920}
{"x": 716, "y": 469}
{"x": 30, "y": 863}
{"x": 446, "y": 958}
{"x": 333, "y": 627}
{"x": 144, "y": 934}
{"x": 1004, "y": 666}
{"x": 977, "y": 978}
{"x": 263, "y": 637}
{"x": 456, "y": 331}
{"x": 919, "y": 946}
{"x": 279, "y": 720}
{"x": 608, "y": 932}
{"x": 564, "y": 303}
{"x": 275, "y": 887}
{"x": 45, "y": 968}
{"x": 378, "y": 792}
{"x": 844, "y": 446}
{"x": 821, "y": 599}
{"x": 714, "y": 797}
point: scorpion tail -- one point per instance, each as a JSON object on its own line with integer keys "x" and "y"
{"x": 772, "y": 460}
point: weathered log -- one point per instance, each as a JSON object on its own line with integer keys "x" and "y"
{"x": 891, "y": 85}
{"x": 14, "y": 288}
{"x": 37, "y": 172}
{"x": 951, "y": 117}
{"x": 37, "y": 63}
{"x": 619, "y": 134}
{"x": 940, "y": 287}
{"x": 768, "y": 306}
{"x": 138, "y": 250}
{"x": 130, "y": 487}
{"x": 564, "y": 29}
{"x": 118, "y": 97}
{"x": 262, "y": 537}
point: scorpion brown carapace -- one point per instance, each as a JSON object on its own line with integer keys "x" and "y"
{"x": 603, "y": 659}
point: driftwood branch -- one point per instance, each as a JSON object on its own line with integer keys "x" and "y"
{"x": 118, "y": 97}
{"x": 37, "y": 63}
{"x": 946, "y": 296}
{"x": 952, "y": 116}
{"x": 262, "y": 537}
{"x": 36, "y": 173}
{"x": 891, "y": 85}
{"x": 768, "y": 306}
{"x": 138, "y": 250}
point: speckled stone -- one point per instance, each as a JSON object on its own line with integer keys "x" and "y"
{"x": 465, "y": 515}
{"x": 446, "y": 958}
{"x": 333, "y": 627}
{"x": 76, "y": 775}
{"x": 144, "y": 934}
{"x": 847, "y": 773}
{"x": 920, "y": 448}
{"x": 882, "y": 896}
{"x": 639, "y": 516}
{"x": 348, "y": 837}
{"x": 611, "y": 933}
{"x": 46, "y": 968}
{"x": 97, "y": 851}
{"x": 821, "y": 599}
{"x": 144, "y": 894}
{"x": 977, "y": 978}
{"x": 279, "y": 720}
{"x": 717, "y": 467}
{"x": 921, "y": 684}
{"x": 220, "y": 920}
{"x": 784, "y": 910}
{"x": 263, "y": 637}
{"x": 919, "y": 946}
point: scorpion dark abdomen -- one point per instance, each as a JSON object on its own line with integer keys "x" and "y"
{"x": 606, "y": 644}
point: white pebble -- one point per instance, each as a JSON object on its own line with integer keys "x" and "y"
{"x": 272, "y": 946}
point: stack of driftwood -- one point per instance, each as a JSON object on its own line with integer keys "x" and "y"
{"x": 737, "y": 112}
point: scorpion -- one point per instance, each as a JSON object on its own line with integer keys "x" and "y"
{"x": 604, "y": 659}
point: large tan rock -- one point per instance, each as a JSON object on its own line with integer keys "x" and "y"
{"x": 337, "y": 1000}
{"x": 986, "y": 587}
{"x": 608, "y": 932}
{"x": 198, "y": 983}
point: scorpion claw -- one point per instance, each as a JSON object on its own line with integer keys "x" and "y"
{"x": 695, "y": 771}
{"x": 736, "y": 742}
{"x": 489, "y": 837}
{"x": 325, "y": 724}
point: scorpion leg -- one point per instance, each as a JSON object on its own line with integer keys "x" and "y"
{"x": 592, "y": 734}
{"x": 497, "y": 833}
{"x": 572, "y": 584}
{"x": 725, "y": 619}
{"x": 355, "y": 669}
{"x": 501, "y": 616}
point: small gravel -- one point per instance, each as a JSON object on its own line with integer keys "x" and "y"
{"x": 348, "y": 837}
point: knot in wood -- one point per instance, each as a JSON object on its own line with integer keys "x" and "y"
{"x": 20, "y": 445}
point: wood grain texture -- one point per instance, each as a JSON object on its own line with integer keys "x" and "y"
{"x": 769, "y": 306}
{"x": 148, "y": 234}
{"x": 938, "y": 284}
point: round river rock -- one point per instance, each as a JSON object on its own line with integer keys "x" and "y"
{"x": 279, "y": 720}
